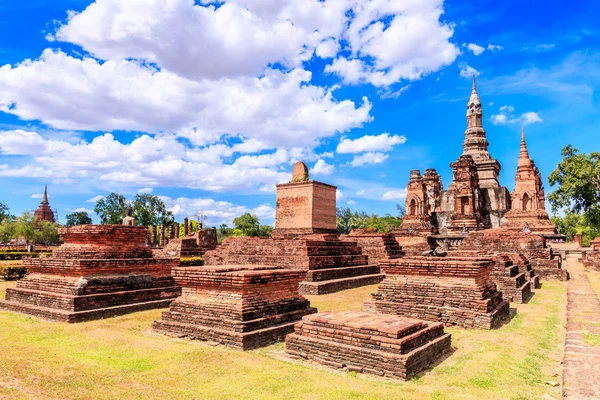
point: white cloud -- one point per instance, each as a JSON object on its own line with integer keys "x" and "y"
{"x": 476, "y": 49}
{"x": 397, "y": 194}
{"x": 95, "y": 199}
{"x": 322, "y": 168}
{"x": 38, "y": 196}
{"x": 467, "y": 71}
{"x": 351, "y": 202}
{"x": 505, "y": 116}
{"x": 217, "y": 212}
{"x": 80, "y": 209}
{"x": 339, "y": 195}
{"x": 383, "y": 142}
{"x": 145, "y": 190}
{"x": 328, "y": 48}
{"x": 493, "y": 47}
{"x": 368, "y": 158}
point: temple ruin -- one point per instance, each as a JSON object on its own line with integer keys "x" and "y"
{"x": 44, "y": 212}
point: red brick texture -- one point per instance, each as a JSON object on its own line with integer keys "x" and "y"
{"x": 244, "y": 306}
{"x": 376, "y": 246}
{"x": 100, "y": 271}
{"x": 330, "y": 264}
{"x": 450, "y": 290}
{"x": 378, "y": 344}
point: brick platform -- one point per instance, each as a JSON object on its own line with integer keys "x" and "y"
{"x": 243, "y": 307}
{"x": 100, "y": 271}
{"x": 531, "y": 246}
{"x": 330, "y": 264}
{"x": 453, "y": 291}
{"x": 376, "y": 246}
{"x": 384, "y": 345}
{"x": 511, "y": 279}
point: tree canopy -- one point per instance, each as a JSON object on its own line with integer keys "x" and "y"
{"x": 578, "y": 180}
{"x": 4, "y": 212}
{"x": 151, "y": 210}
{"x": 111, "y": 210}
{"x": 347, "y": 220}
{"x": 247, "y": 225}
{"x": 78, "y": 218}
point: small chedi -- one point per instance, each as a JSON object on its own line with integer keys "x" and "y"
{"x": 304, "y": 237}
{"x": 421, "y": 195}
{"x": 44, "y": 212}
{"x": 99, "y": 271}
{"x": 385, "y": 345}
{"x": 528, "y": 210}
{"x": 244, "y": 307}
{"x": 454, "y": 291}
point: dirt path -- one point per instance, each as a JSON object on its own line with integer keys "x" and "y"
{"x": 581, "y": 367}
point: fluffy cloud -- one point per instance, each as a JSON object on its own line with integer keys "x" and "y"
{"x": 493, "y": 47}
{"x": 476, "y": 49}
{"x": 467, "y": 71}
{"x": 383, "y": 142}
{"x": 94, "y": 199}
{"x": 217, "y": 212}
{"x": 322, "y": 168}
{"x": 506, "y": 116}
{"x": 368, "y": 158}
{"x": 397, "y": 194}
{"x": 277, "y": 109}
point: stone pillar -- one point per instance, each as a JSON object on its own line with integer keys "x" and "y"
{"x": 153, "y": 235}
{"x": 171, "y": 232}
{"x": 177, "y": 230}
{"x": 162, "y": 236}
{"x": 191, "y": 227}
{"x": 185, "y": 227}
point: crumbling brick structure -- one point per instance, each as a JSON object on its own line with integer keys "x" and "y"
{"x": 592, "y": 259}
{"x": 378, "y": 344}
{"x": 303, "y": 207}
{"x": 244, "y": 306}
{"x": 99, "y": 271}
{"x": 375, "y": 245}
{"x": 468, "y": 204}
{"x": 193, "y": 245}
{"x": 452, "y": 291}
{"x": 330, "y": 264}
{"x": 529, "y": 245}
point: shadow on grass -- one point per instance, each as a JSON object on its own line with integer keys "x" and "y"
{"x": 431, "y": 367}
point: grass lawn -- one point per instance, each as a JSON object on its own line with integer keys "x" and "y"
{"x": 120, "y": 358}
{"x": 594, "y": 277}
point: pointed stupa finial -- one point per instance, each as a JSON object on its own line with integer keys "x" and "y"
{"x": 45, "y": 198}
{"x": 524, "y": 158}
{"x": 474, "y": 84}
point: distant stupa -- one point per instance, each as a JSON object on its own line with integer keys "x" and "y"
{"x": 44, "y": 212}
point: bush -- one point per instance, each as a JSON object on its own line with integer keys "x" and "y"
{"x": 19, "y": 255}
{"x": 191, "y": 262}
{"x": 13, "y": 272}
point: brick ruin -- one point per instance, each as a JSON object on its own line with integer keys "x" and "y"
{"x": 592, "y": 259}
{"x": 376, "y": 246}
{"x": 194, "y": 244}
{"x": 305, "y": 209}
{"x": 243, "y": 306}
{"x": 468, "y": 213}
{"x": 100, "y": 271}
{"x": 422, "y": 192}
{"x": 383, "y": 345}
{"x": 44, "y": 212}
{"x": 528, "y": 200}
{"x": 454, "y": 291}
{"x": 529, "y": 248}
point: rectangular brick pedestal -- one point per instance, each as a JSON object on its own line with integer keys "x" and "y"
{"x": 384, "y": 345}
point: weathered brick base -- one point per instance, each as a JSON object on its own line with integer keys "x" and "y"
{"x": 452, "y": 291}
{"x": 378, "y": 344}
{"x": 100, "y": 271}
{"x": 377, "y": 246}
{"x": 330, "y": 264}
{"x": 243, "y": 307}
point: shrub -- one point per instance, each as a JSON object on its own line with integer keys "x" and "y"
{"x": 191, "y": 262}
{"x": 19, "y": 255}
{"x": 13, "y": 272}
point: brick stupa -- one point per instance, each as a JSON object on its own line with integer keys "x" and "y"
{"x": 44, "y": 212}
{"x": 244, "y": 307}
{"x": 100, "y": 271}
{"x": 449, "y": 290}
{"x": 528, "y": 200}
{"x": 304, "y": 237}
{"x": 378, "y": 344}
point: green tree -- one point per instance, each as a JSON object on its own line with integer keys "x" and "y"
{"x": 574, "y": 224}
{"x": 401, "y": 210}
{"x": 78, "y": 218}
{"x": 111, "y": 210}
{"x": 247, "y": 224}
{"x": 578, "y": 180}
{"x": 47, "y": 233}
{"x": 343, "y": 219}
{"x": 265, "y": 230}
{"x": 151, "y": 210}
{"x": 384, "y": 224}
{"x": 8, "y": 231}
{"x": 25, "y": 227}
{"x": 4, "y": 212}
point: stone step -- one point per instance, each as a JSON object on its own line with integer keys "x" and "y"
{"x": 319, "y": 275}
{"x": 81, "y": 316}
{"x": 339, "y": 284}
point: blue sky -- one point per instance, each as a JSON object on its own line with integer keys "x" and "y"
{"x": 208, "y": 105}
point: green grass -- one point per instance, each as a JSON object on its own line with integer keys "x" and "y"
{"x": 121, "y": 358}
{"x": 591, "y": 339}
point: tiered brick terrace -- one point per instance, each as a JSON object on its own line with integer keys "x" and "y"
{"x": 243, "y": 306}
{"x": 100, "y": 271}
{"x": 330, "y": 264}
{"x": 385, "y": 345}
{"x": 453, "y": 291}
{"x": 375, "y": 245}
